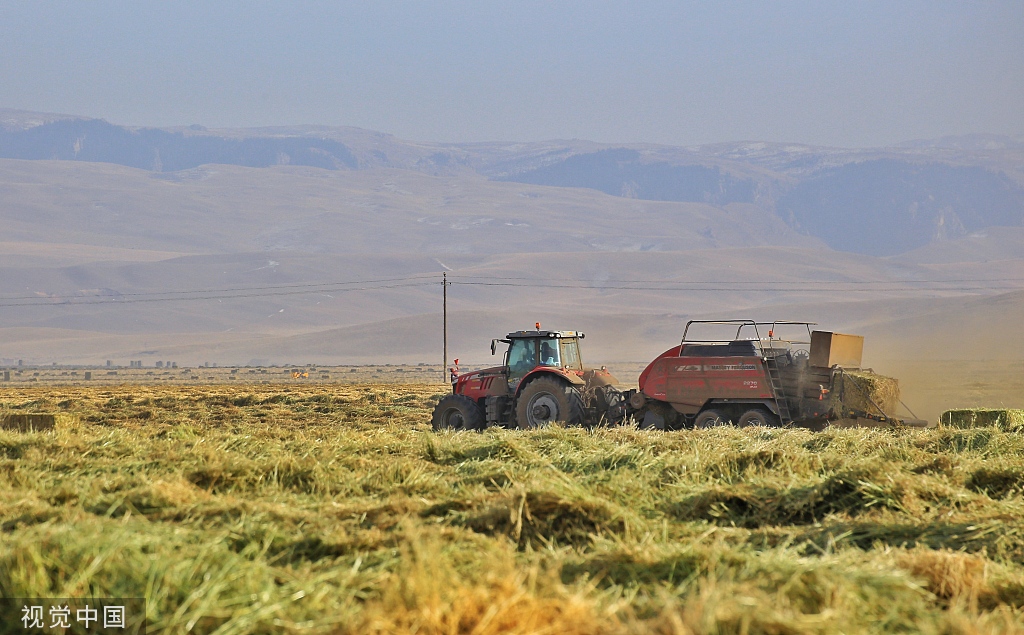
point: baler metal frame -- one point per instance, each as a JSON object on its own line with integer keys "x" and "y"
{"x": 739, "y": 329}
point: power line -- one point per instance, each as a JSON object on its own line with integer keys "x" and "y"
{"x": 312, "y": 286}
{"x": 836, "y": 287}
{"x": 115, "y": 300}
{"x": 548, "y": 282}
{"x": 758, "y": 282}
{"x": 428, "y": 279}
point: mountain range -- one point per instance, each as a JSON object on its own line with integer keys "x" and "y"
{"x": 872, "y": 201}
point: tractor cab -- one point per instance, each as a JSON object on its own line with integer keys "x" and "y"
{"x": 532, "y": 350}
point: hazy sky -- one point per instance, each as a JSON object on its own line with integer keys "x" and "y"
{"x": 835, "y": 73}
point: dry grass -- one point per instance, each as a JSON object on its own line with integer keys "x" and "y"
{"x": 334, "y": 509}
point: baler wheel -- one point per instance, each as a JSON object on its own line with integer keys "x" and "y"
{"x": 457, "y": 412}
{"x": 758, "y": 417}
{"x": 711, "y": 419}
{"x": 545, "y": 401}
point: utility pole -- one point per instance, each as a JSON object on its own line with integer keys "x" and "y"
{"x": 444, "y": 295}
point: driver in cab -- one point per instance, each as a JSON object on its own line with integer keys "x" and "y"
{"x": 522, "y": 360}
{"x": 549, "y": 354}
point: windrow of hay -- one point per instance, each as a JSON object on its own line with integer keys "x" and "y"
{"x": 997, "y": 482}
{"x": 866, "y": 391}
{"x": 534, "y": 518}
{"x": 1003, "y": 418}
{"x": 851, "y": 493}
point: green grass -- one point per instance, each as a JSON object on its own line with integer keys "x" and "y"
{"x": 258, "y": 509}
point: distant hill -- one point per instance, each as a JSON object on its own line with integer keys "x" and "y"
{"x": 159, "y": 150}
{"x": 882, "y": 201}
{"x": 886, "y": 207}
{"x": 971, "y": 142}
{"x": 232, "y": 209}
{"x": 620, "y": 172}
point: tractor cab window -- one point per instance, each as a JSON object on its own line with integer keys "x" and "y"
{"x": 549, "y": 354}
{"x": 522, "y": 357}
{"x": 571, "y": 353}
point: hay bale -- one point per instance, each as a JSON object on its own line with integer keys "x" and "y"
{"x": 856, "y": 390}
{"x": 1003, "y": 418}
{"x": 24, "y": 422}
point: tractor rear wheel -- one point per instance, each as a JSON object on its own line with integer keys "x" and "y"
{"x": 545, "y": 401}
{"x": 757, "y": 417}
{"x": 457, "y": 412}
{"x": 711, "y": 419}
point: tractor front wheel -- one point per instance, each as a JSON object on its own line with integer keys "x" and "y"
{"x": 545, "y": 401}
{"x": 457, "y": 412}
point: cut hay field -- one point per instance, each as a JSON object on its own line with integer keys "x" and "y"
{"x": 275, "y": 508}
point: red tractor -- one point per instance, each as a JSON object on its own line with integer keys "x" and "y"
{"x": 542, "y": 381}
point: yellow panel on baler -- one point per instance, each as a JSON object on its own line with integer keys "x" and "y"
{"x": 836, "y": 349}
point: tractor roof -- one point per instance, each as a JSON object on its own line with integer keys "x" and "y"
{"x": 544, "y": 334}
